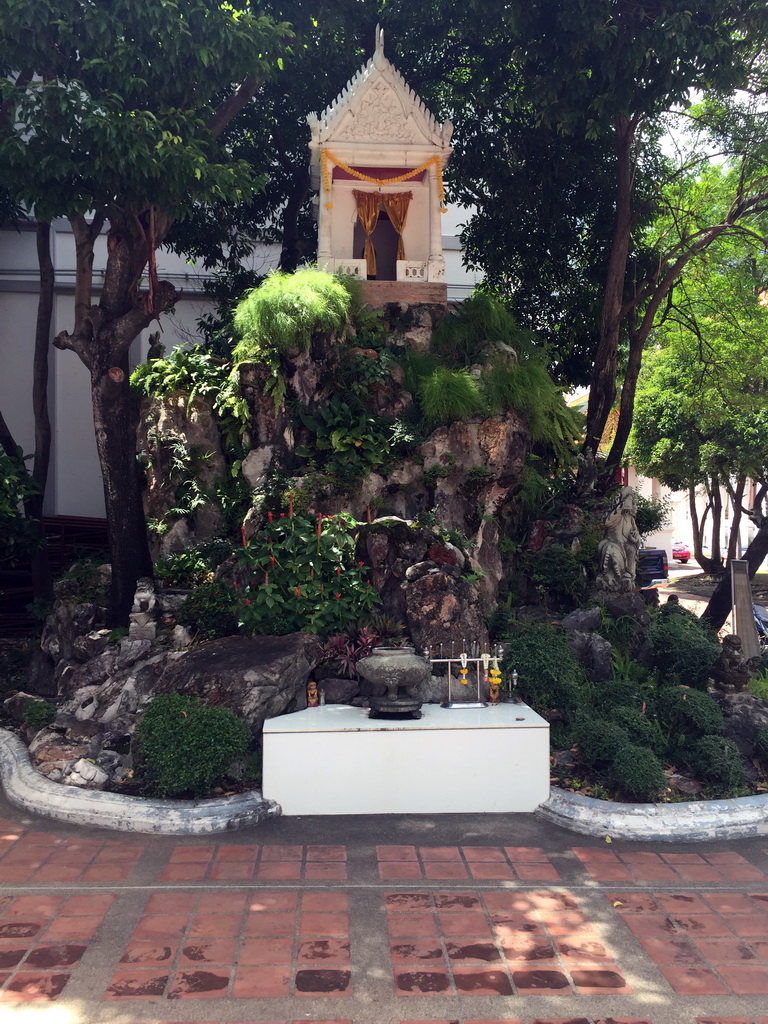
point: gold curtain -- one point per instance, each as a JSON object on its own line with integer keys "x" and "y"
{"x": 368, "y": 214}
{"x": 396, "y": 204}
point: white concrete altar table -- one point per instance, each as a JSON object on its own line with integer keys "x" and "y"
{"x": 336, "y": 760}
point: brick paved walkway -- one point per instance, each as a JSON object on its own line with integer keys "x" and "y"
{"x": 478, "y": 919}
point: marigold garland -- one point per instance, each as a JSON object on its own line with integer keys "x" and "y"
{"x": 434, "y": 161}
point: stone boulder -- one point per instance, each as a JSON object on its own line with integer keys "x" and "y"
{"x": 745, "y": 715}
{"x": 592, "y": 652}
{"x": 442, "y": 608}
{"x": 257, "y": 677}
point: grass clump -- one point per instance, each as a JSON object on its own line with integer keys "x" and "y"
{"x": 38, "y": 713}
{"x": 447, "y": 395}
{"x": 549, "y": 676}
{"x": 210, "y": 609}
{"x": 185, "y": 745}
{"x": 685, "y": 715}
{"x": 716, "y": 760}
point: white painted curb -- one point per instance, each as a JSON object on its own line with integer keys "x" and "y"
{"x": 698, "y": 820}
{"x": 28, "y": 789}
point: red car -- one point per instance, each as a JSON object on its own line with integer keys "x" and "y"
{"x": 680, "y": 552}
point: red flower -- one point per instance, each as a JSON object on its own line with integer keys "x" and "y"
{"x": 247, "y": 600}
{"x": 338, "y": 570}
{"x": 282, "y": 515}
{"x": 338, "y": 597}
{"x": 298, "y": 591}
{"x": 242, "y": 534}
{"x": 361, "y": 564}
{"x": 290, "y": 505}
{"x": 272, "y": 561}
{"x": 234, "y": 584}
{"x": 269, "y": 516}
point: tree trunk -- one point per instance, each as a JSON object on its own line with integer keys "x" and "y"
{"x": 736, "y": 494}
{"x": 721, "y": 602}
{"x": 291, "y": 253}
{"x": 42, "y": 584}
{"x": 602, "y": 388}
{"x": 627, "y": 405}
{"x": 113, "y": 420}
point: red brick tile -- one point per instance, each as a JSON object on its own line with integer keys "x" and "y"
{"x": 639, "y": 857}
{"x": 279, "y": 871}
{"x": 671, "y": 951}
{"x": 694, "y": 981}
{"x": 158, "y": 926}
{"x": 513, "y": 902}
{"x": 21, "y": 928}
{"x": 396, "y": 853}
{"x": 543, "y": 981}
{"x": 262, "y": 983}
{"x": 594, "y": 853}
{"x": 60, "y": 954}
{"x": 397, "y": 901}
{"x": 748, "y": 924}
{"x": 335, "y": 951}
{"x": 586, "y": 951}
{"x": 649, "y": 926}
{"x": 515, "y": 924}
{"x": 208, "y": 984}
{"x": 683, "y": 858}
{"x": 681, "y": 903}
{"x": 194, "y": 853}
{"x": 415, "y": 951}
{"x": 654, "y": 873}
{"x": 274, "y": 901}
{"x": 185, "y": 872}
{"x": 323, "y": 981}
{"x": 525, "y": 853}
{"x": 724, "y": 950}
{"x": 725, "y": 857}
{"x": 746, "y": 979}
{"x": 321, "y": 871}
{"x": 432, "y": 853}
{"x": 215, "y": 926}
{"x": 537, "y": 872}
{"x": 73, "y": 928}
{"x": 93, "y": 903}
{"x": 169, "y": 903}
{"x": 240, "y": 851}
{"x": 34, "y": 988}
{"x": 456, "y": 901}
{"x": 484, "y": 853}
{"x": 553, "y": 901}
{"x": 281, "y": 853}
{"x": 335, "y": 853}
{"x": 11, "y": 955}
{"x": 490, "y": 870}
{"x": 527, "y": 949}
{"x": 698, "y": 873}
{"x": 149, "y": 953}
{"x": 395, "y": 871}
{"x": 737, "y": 873}
{"x": 466, "y": 923}
{"x": 232, "y": 871}
{"x": 473, "y": 950}
{"x": 58, "y": 873}
{"x": 108, "y": 873}
{"x": 760, "y": 947}
{"x": 322, "y": 923}
{"x": 208, "y": 951}
{"x": 600, "y": 981}
{"x": 134, "y": 984}
{"x": 609, "y": 873}
{"x": 409, "y": 925}
{"x": 444, "y": 870}
{"x": 327, "y": 901}
{"x": 267, "y": 924}
{"x": 36, "y": 906}
{"x": 564, "y": 924}
{"x": 266, "y": 951}
{"x": 478, "y": 981}
{"x": 632, "y": 902}
{"x": 704, "y": 925}
{"x": 724, "y": 1020}
{"x": 422, "y": 983}
{"x": 222, "y": 902}
{"x": 729, "y": 902}
{"x": 119, "y": 855}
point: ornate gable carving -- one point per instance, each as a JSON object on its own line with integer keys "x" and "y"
{"x": 378, "y": 116}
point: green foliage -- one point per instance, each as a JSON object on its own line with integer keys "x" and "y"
{"x": 761, "y": 745}
{"x": 683, "y": 647}
{"x": 283, "y": 313}
{"x": 758, "y": 686}
{"x": 717, "y": 761}
{"x": 549, "y": 676}
{"x": 639, "y": 727}
{"x": 194, "y": 565}
{"x": 186, "y": 745}
{"x": 83, "y": 582}
{"x": 210, "y": 609}
{"x": 15, "y": 485}
{"x": 599, "y": 741}
{"x": 637, "y": 773}
{"x": 447, "y": 395}
{"x": 348, "y": 441}
{"x": 652, "y": 514}
{"x": 685, "y": 714}
{"x": 559, "y": 577}
{"x": 38, "y": 713}
{"x": 467, "y": 333}
{"x": 303, "y": 575}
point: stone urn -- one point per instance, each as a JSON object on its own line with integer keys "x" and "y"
{"x": 395, "y": 674}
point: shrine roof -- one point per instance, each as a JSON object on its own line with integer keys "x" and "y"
{"x": 378, "y": 108}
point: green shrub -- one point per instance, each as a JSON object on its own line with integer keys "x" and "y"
{"x": 463, "y": 336}
{"x": 717, "y": 761}
{"x": 448, "y": 395}
{"x": 598, "y": 742}
{"x": 639, "y": 727}
{"x": 761, "y": 745}
{"x": 210, "y": 609}
{"x": 637, "y": 774}
{"x": 192, "y": 566}
{"x": 559, "y": 577}
{"x": 758, "y": 685}
{"x": 38, "y": 713}
{"x": 549, "y": 676}
{"x": 616, "y": 693}
{"x": 683, "y": 646}
{"x": 186, "y": 745}
{"x": 686, "y": 714}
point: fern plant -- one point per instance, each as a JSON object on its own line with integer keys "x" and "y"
{"x": 447, "y": 395}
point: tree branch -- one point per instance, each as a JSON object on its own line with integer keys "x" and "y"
{"x": 232, "y": 106}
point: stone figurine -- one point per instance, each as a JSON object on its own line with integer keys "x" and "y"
{"x": 617, "y": 551}
{"x": 731, "y": 672}
{"x": 141, "y": 621}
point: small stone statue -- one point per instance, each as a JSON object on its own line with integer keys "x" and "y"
{"x": 141, "y": 624}
{"x": 731, "y": 671}
{"x": 313, "y": 697}
{"x": 617, "y": 551}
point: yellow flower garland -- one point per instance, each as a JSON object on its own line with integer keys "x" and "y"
{"x": 434, "y": 161}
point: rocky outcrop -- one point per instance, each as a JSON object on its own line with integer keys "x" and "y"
{"x": 745, "y": 715}
{"x": 442, "y": 609}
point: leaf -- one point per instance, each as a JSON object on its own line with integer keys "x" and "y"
{"x": 608, "y": 839}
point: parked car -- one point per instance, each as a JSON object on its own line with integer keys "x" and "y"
{"x": 680, "y": 552}
{"x": 652, "y": 566}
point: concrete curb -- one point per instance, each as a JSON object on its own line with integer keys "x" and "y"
{"x": 28, "y": 789}
{"x": 698, "y": 820}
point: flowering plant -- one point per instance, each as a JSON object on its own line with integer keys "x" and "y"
{"x": 303, "y": 575}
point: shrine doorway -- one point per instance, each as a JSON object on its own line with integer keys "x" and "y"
{"x": 385, "y": 241}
